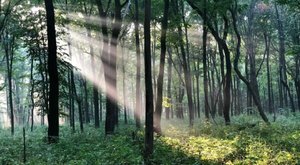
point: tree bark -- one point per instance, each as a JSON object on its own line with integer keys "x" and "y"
{"x": 31, "y": 92}
{"x": 137, "y": 113}
{"x": 204, "y": 61}
{"x": 282, "y": 61}
{"x": 270, "y": 99}
{"x": 160, "y": 79}
{"x": 9, "y": 60}
{"x": 148, "y": 84}
{"x": 169, "y": 109}
{"x": 79, "y": 101}
{"x": 53, "y": 122}
{"x": 86, "y": 103}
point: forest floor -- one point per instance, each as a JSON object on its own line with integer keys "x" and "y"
{"x": 246, "y": 141}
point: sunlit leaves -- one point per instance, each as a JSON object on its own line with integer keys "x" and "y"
{"x": 166, "y": 102}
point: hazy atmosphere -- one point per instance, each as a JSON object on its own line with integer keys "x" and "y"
{"x": 150, "y": 82}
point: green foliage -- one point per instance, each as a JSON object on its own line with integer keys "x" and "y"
{"x": 247, "y": 141}
{"x": 92, "y": 147}
{"x": 244, "y": 142}
{"x": 294, "y": 5}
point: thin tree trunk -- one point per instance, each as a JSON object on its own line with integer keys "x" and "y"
{"x": 78, "y": 99}
{"x": 31, "y": 92}
{"x": 160, "y": 79}
{"x": 282, "y": 61}
{"x": 70, "y": 98}
{"x": 124, "y": 87}
{"x": 86, "y": 103}
{"x": 137, "y": 113}
{"x": 198, "y": 95}
{"x": 267, "y": 45}
{"x": 9, "y": 59}
{"x": 169, "y": 108}
{"x": 239, "y": 96}
{"x": 95, "y": 88}
{"x": 204, "y": 61}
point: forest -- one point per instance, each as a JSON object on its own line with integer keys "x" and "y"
{"x": 88, "y": 82}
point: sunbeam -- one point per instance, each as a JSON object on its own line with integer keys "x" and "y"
{"x": 90, "y": 65}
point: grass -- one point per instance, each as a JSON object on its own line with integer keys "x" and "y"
{"x": 246, "y": 141}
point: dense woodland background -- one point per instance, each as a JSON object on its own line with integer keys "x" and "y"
{"x": 154, "y": 82}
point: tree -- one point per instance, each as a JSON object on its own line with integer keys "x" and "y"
{"x": 109, "y": 60}
{"x": 137, "y": 113}
{"x": 253, "y": 92}
{"x": 185, "y": 64}
{"x": 160, "y": 79}
{"x": 9, "y": 55}
{"x": 204, "y": 60}
{"x": 53, "y": 122}
{"x": 221, "y": 40}
{"x": 148, "y": 84}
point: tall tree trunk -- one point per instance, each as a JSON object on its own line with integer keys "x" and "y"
{"x": 137, "y": 113}
{"x": 239, "y": 96}
{"x": 297, "y": 80}
{"x": 9, "y": 60}
{"x": 101, "y": 106}
{"x": 204, "y": 61}
{"x": 226, "y": 90}
{"x": 154, "y": 62}
{"x": 78, "y": 99}
{"x": 79, "y": 102}
{"x": 96, "y": 106}
{"x": 281, "y": 60}
{"x": 86, "y": 103}
{"x": 270, "y": 100}
{"x": 70, "y": 99}
{"x": 89, "y": 35}
{"x": 125, "y": 104}
{"x": 250, "y": 44}
{"x": 70, "y": 82}
{"x": 169, "y": 108}
{"x": 198, "y": 95}
{"x": 53, "y": 122}
{"x": 111, "y": 74}
{"x": 31, "y": 92}
{"x": 213, "y": 88}
{"x": 45, "y": 77}
{"x": 227, "y": 81}
{"x": 148, "y": 84}
{"x": 95, "y": 88}
{"x": 249, "y": 96}
{"x": 160, "y": 79}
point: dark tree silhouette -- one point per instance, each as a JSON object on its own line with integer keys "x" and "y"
{"x": 53, "y": 129}
{"x": 137, "y": 113}
{"x": 148, "y": 84}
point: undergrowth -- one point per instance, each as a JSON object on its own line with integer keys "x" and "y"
{"x": 246, "y": 141}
